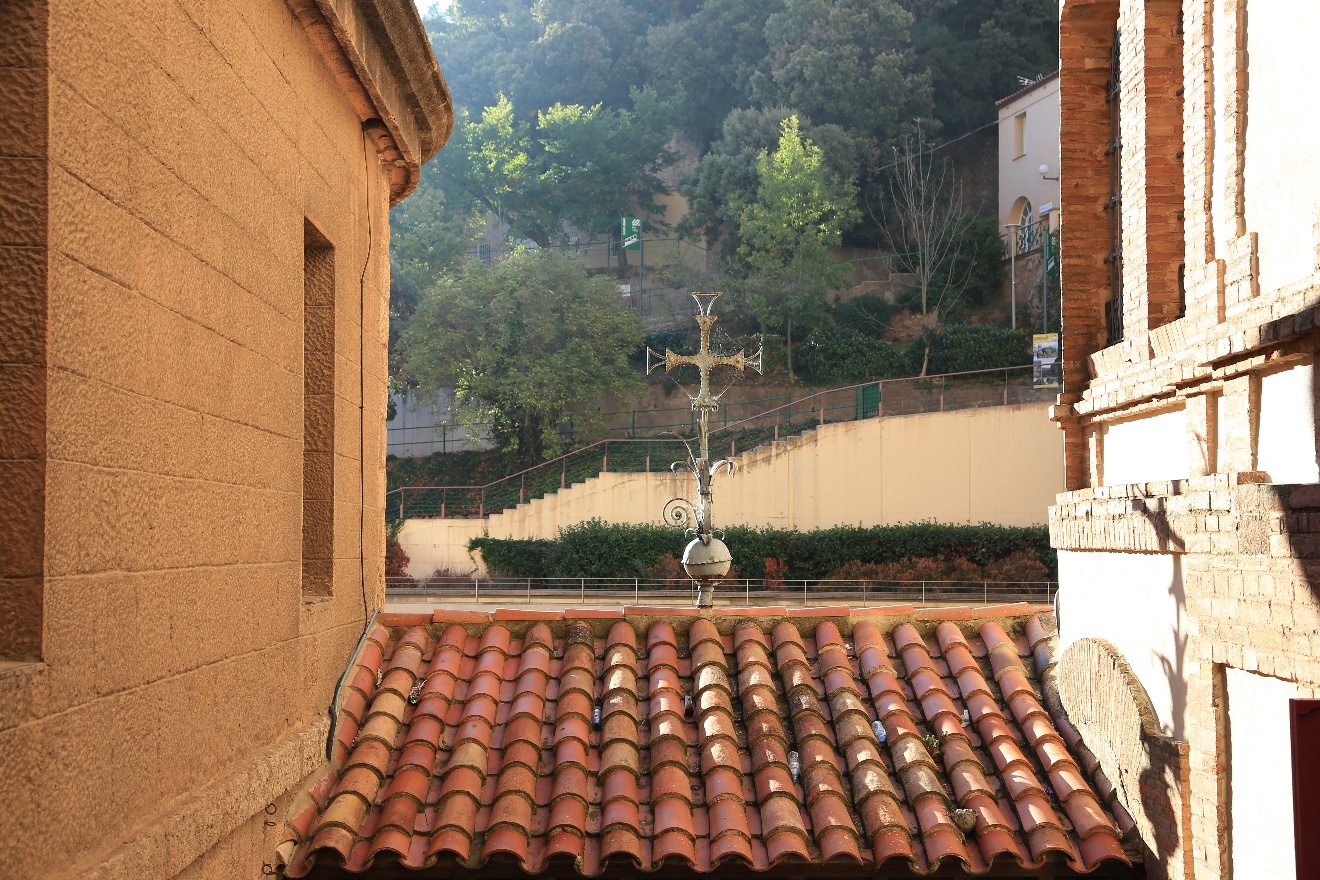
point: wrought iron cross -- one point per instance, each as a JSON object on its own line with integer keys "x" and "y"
{"x": 706, "y": 559}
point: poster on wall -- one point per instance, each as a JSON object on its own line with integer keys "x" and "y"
{"x": 1046, "y": 371}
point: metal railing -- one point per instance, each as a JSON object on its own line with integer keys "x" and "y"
{"x": 1026, "y": 239}
{"x": 742, "y": 591}
{"x": 884, "y": 397}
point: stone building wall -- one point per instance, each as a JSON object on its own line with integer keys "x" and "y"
{"x": 166, "y": 669}
{"x": 1193, "y": 436}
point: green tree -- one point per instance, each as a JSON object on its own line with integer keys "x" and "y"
{"x": 847, "y": 62}
{"x": 726, "y": 177}
{"x": 525, "y": 344}
{"x": 788, "y": 231}
{"x": 575, "y": 173}
{"x": 598, "y": 165}
{"x": 975, "y": 50}
{"x": 710, "y": 56}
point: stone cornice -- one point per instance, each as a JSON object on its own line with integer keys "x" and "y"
{"x": 379, "y": 54}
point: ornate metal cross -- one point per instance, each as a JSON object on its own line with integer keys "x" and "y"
{"x": 706, "y": 559}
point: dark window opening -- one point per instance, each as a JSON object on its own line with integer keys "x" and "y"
{"x": 1114, "y": 152}
{"x": 1306, "y": 780}
{"x": 318, "y": 508}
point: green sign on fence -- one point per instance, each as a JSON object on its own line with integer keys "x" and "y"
{"x": 631, "y": 233}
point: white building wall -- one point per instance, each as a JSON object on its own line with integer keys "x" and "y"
{"x": 1019, "y": 176}
{"x": 1137, "y": 603}
{"x": 1260, "y": 776}
{"x": 1147, "y": 449}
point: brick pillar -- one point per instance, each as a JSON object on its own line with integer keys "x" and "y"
{"x": 1238, "y": 419}
{"x": 1205, "y": 283}
{"x": 1163, "y": 148}
{"x": 1202, "y": 430}
{"x": 1086, "y": 29}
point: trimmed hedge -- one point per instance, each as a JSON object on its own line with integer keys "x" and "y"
{"x": 599, "y": 549}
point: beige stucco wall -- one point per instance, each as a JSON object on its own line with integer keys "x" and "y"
{"x": 1019, "y": 176}
{"x": 999, "y": 464}
{"x": 183, "y": 679}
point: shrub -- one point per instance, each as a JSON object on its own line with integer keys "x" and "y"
{"x": 958, "y": 348}
{"x": 921, "y": 569}
{"x": 774, "y": 572}
{"x": 396, "y": 559}
{"x": 599, "y": 549}
{"x": 1019, "y": 567}
{"x": 842, "y": 355}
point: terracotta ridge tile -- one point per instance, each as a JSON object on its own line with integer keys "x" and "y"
{"x": 884, "y": 611}
{"x": 397, "y": 618}
{"x": 821, "y": 611}
{"x": 446, "y": 615}
{"x": 523, "y": 614}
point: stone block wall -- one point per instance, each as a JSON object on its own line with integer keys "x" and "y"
{"x": 163, "y": 675}
{"x": 24, "y": 204}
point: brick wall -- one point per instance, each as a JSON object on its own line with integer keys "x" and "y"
{"x": 1249, "y": 549}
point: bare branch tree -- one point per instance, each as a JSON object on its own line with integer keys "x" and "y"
{"x": 927, "y": 231}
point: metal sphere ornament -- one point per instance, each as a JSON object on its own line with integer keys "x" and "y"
{"x": 706, "y": 559}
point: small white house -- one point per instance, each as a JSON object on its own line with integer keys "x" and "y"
{"x": 1029, "y": 154}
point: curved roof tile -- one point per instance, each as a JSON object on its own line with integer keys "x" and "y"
{"x": 887, "y": 743}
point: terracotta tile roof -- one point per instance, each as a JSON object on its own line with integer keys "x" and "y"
{"x": 880, "y": 741}
{"x": 1028, "y": 88}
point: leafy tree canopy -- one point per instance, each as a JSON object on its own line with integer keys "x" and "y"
{"x": 726, "y": 177}
{"x": 847, "y": 62}
{"x": 525, "y": 344}
{"x": 798, "y": 216}
{"x": 572, "y": 172}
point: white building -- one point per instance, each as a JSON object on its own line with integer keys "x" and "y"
{"x": 1029, "y": 139}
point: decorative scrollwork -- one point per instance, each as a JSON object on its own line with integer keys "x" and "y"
{"x": 679, "y": 512}
{"x": 725, "y": 463}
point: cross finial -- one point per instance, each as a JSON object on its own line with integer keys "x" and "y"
{"x": 704, "y": 360}
{"x": 706, "y": 559}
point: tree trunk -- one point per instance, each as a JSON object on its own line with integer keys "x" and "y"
{"x": 925, "y": 357}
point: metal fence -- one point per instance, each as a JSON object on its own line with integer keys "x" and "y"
{"x": 643, "y": 591}
{"x": 734, "y": 430}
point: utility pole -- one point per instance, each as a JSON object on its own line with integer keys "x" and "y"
{"x": 1012, "y": 271}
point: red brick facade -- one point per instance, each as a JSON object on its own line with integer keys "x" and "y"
{"x": 1248, "y": 544}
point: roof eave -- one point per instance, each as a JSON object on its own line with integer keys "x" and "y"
{"x": 381, "y": 58}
